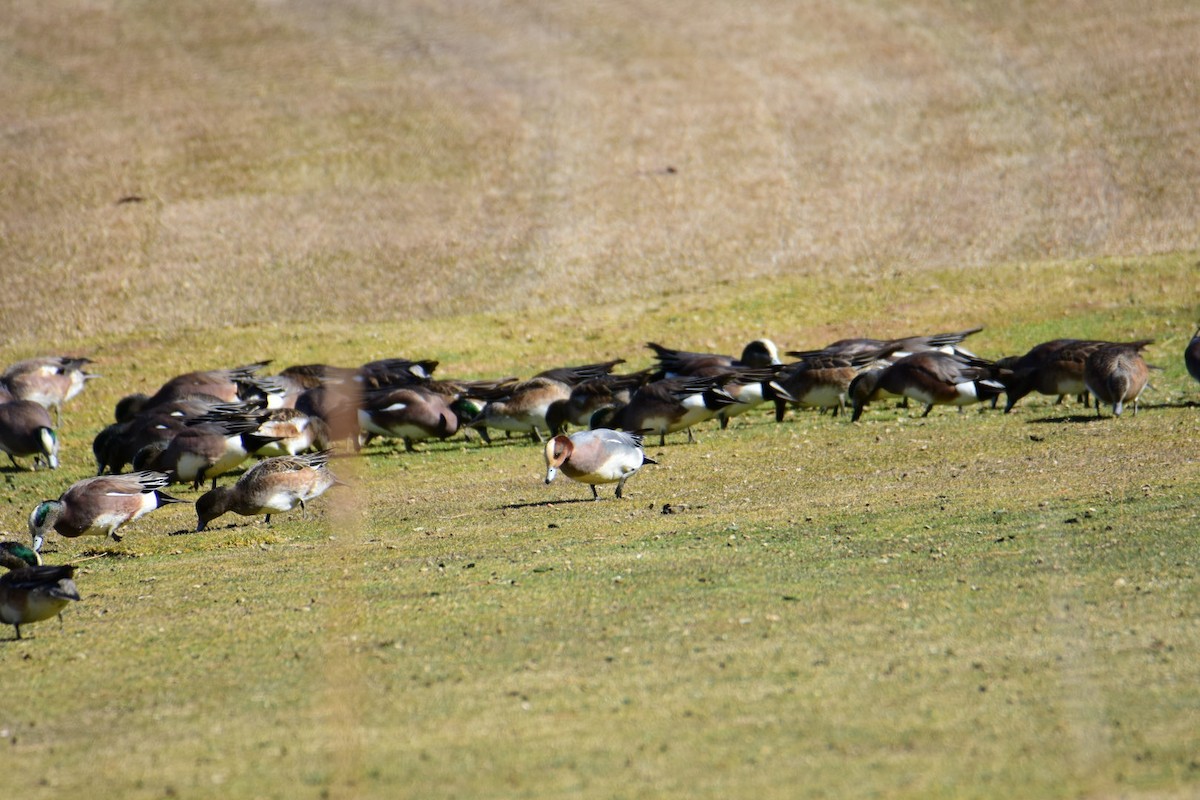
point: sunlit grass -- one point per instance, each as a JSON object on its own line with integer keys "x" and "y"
{"x": 966, "y": 605}
{"x": 970, "y": 603}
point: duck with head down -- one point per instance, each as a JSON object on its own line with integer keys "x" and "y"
{"x": 26, "y": 430}
{"x": 596, "y": 456}
{"x": 1117, "y": 374}
{"x": 929, "y": 377}
{"x": 522, "y": 407}
{"x": 273, "y": 486}
{"x": 100, "y": 506}
{"x": 30, "y": 591}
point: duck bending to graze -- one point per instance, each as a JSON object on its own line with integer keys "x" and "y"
{"x": 27, "y": 430}
{"x": 666, "y": 406}
{"x": 820, "y": 381}
{"x": 206, "y": 448}
{"x": 100, "y": 506}
{"x": 35, "y": 592}
{"x": 930, "y": 377}
{"x": 522, "y": 407}
{"x": 596, "y": 456}
{"x": 273, "y": 486}
{"x": 1054, "y": 368}
{"x": 1116, "y": 374}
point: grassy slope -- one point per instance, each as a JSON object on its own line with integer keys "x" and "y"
{"x": 965, "y": 605}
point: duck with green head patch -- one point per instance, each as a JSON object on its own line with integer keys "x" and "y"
{"x": 100, "y": 506}
{"x": 30, "y": 591}
{"x": 14, "y": 555}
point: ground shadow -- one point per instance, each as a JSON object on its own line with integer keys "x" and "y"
{"x": 1076, "y": 418}
{"x": 549, "y": 503}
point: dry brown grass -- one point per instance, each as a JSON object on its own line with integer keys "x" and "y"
{"x": 381, "y": 161}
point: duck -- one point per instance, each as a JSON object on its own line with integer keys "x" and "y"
{"x": 930, "y": 377}
{"x": 14, "y": 555}
{"x": 337, "y": 406}
{"x": 1053, "y": 368}
{"x": 49, "y": 381}
{"x": 100, "y": 506}
{"x": 206, "y": 448}
{"x": 590, "y": 396}
{"x": 866, "y": 348}
{"x": 596, "y": 456}
{"x": 412, "y": 413}
{"x": 118, "y": 444}
{"x": 750, "y": 380}
{"x": 232, "y": 385}
{"x": 1116, "y": 374}
{"x": 522, "y": 407}
{"x": 274, "y": 485}
{"x": 667, "y": 406}
{"x": 34, "y": 592}
{"x": 27, "y": 430}
{"x": 290, "y": 431}
{"x": 1191, "y": 356}
{"x": 819, "y": 381}
{"x": 683, "y": 363}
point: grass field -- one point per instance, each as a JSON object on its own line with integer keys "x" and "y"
{"x": 967, "y": 605}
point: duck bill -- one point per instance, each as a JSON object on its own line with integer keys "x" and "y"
{"x": 550, "y": 473}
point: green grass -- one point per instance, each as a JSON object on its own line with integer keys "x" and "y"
{"x": 966, "y": 605}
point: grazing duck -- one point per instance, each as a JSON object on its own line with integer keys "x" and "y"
{"x": 666, "y": 406}
{"x": 894, "y": 348}
{"x": 272, "y": 486}
{"x": 100, "y": 506}
{"x": 596, "y": 456}
{"x": 522, "y": 407}
{"x": 32, "y": 593}
{"x": 14, "y": 555}
{"x": 1116, "y": 374}
{"x": 206, "y": 448}
{"x": 682, "y": 363}
{"x": 291, "y": 431}
{"x": 930, "y": 377}
{"x": 27, "y": 430}
{"x": 820, "y": 381}
{"x": 1191, "y": 356}
{"x": 412, "y": 413}
{"x": 1053, "y": 368}
{"x": 750, "y": 380}
{"x": 48, "y": 381}
{"x": 590, "y": 396}
{"x": 233, "y": 385}
{"x": 337, "y": 406}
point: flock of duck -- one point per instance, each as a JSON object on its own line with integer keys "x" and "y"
{"x": 202, "y": 425}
